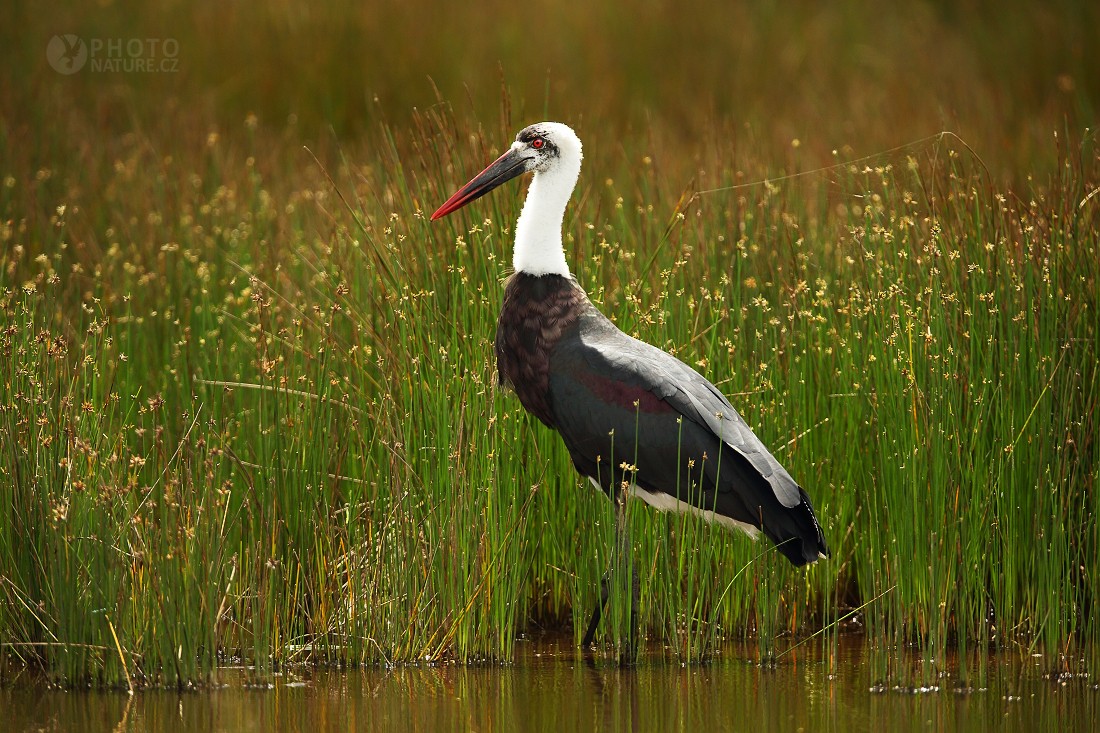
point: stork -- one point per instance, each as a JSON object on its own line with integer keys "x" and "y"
{"x": 635, "y": 420}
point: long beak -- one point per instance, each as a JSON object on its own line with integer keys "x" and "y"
{"x": 504, "y": 168}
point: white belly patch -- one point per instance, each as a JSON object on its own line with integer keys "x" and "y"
{"x": 669, "y": 503}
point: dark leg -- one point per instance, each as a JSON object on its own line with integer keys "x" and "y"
{"x": 597, "y": 612}
{"x": 624, "y": 560}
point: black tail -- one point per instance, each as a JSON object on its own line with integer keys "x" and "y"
{"x": 795, "y": 532}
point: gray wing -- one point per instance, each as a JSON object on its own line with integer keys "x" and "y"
{"x": 604, "y": 351}
{"x": 619, "y": 401}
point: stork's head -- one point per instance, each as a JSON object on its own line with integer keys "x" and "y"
{"x": 545, "y": 148}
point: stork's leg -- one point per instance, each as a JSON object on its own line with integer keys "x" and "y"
{"x": 597, "y": 612}
{"x": 623, "y": 561}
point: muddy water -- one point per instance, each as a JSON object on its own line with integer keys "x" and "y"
{"x": 553, "y": 688}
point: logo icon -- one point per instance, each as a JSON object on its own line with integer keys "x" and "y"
{"x": 67, "y": 54}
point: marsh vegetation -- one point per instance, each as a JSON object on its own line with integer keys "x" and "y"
{"x": 247, "y": 400}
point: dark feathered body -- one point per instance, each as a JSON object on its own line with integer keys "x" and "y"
{"x": 629, "y": 412}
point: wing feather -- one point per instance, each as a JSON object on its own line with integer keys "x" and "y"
{"x": 607, "y": 351}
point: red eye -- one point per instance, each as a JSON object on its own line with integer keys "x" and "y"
{"x": 537, "y": 143}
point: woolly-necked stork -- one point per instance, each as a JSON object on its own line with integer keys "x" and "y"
{"x": 633, "y": 417}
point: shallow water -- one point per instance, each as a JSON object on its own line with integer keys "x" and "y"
{"x": 552, "y": 687}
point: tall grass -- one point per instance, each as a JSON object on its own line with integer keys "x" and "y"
{"x": 275, "y": 434}
{"x": 247, "y": 398}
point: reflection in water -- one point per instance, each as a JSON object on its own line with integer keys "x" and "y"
{"x": 556, "y": 689}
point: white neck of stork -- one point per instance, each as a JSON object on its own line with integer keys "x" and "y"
{"x": 538, "y": 248}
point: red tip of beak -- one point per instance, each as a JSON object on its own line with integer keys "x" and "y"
{"x": 454, "y": 202}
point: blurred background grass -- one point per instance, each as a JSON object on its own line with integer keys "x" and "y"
{"x": 242, "y": 419}
{"x": 870, "y": 75}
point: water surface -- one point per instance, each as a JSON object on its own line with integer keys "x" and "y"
{"x": 551, "y": 687}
